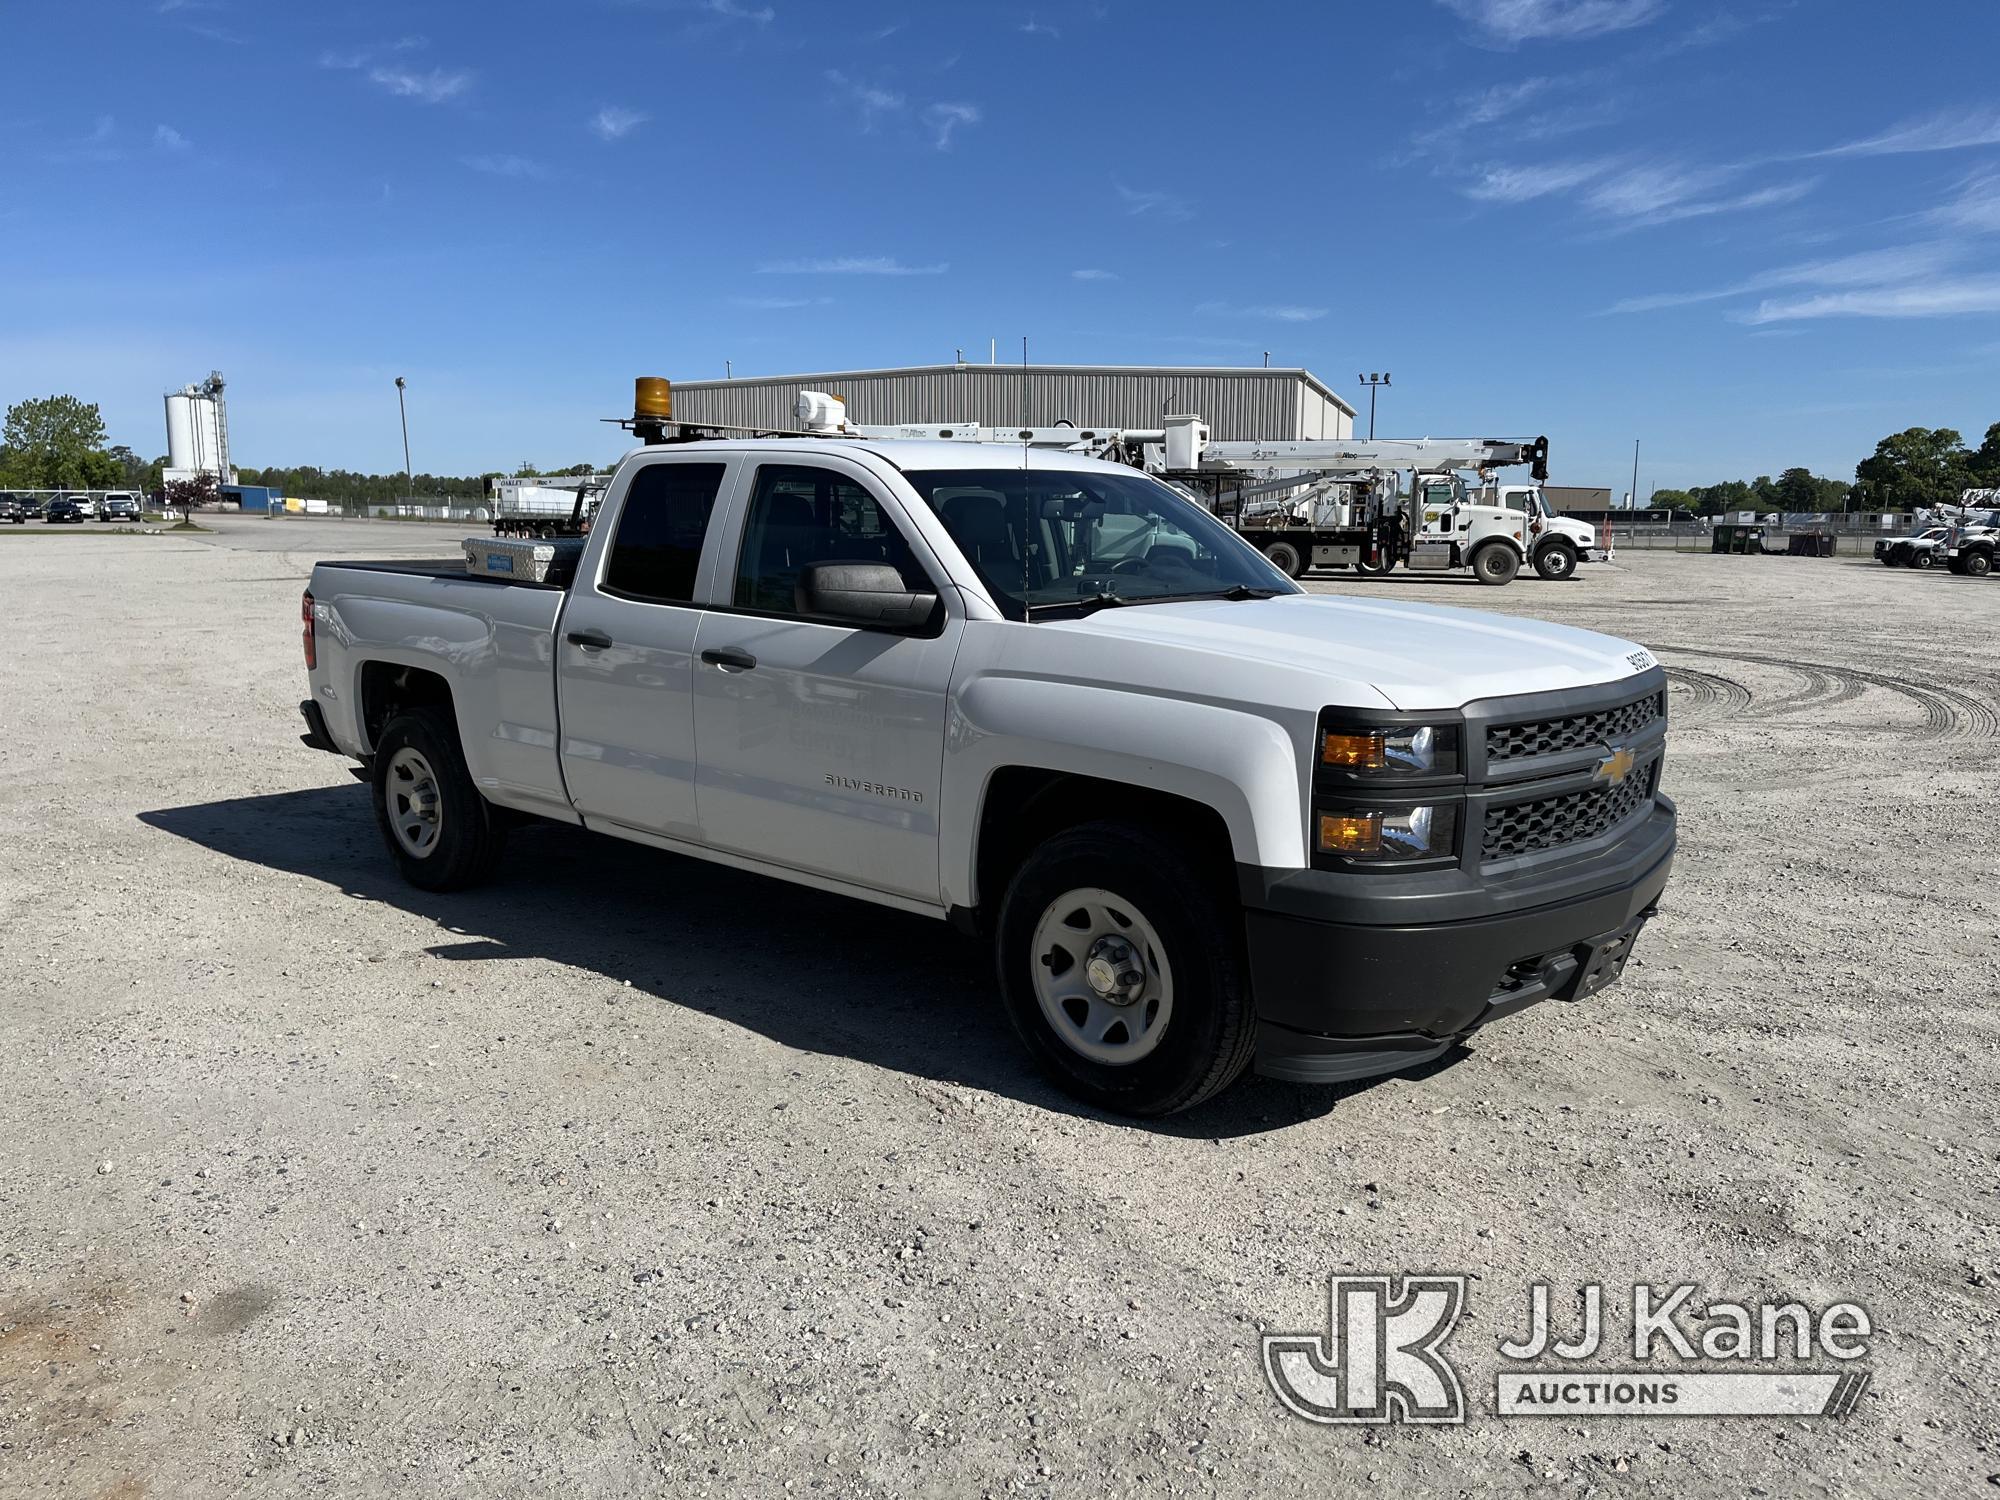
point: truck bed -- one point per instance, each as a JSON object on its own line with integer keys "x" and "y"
{"x": 432, "y": 567}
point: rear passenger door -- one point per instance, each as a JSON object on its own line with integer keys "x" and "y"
{"x": 822, "y": 743}
{"x": 625, "y": 651}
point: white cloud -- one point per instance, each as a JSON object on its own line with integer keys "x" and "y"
{"x": 1091, "y": 273}
{"x": 1955, "y": 131}
{"x": 1511, "y": 22}
{"x": 850, "y": 265}
{"x": 1032, "y": 27}
{"x": 1273, "y": 312}
{"x": 869, "y": 100}
{"x": 1152, "y": 201}
{"x": 1929, "y": 299}
{"x": 1867, "y": 269}
{"x": 734, "y": 10}
{"x": 943, "y": 119}
{"x": 432, "y": 87}
{"x": 507, "y": 166}
{"x": 169, "y": 139}
{"x": 1520, "y": 184}
{"x": 613, "y": 123}
{"x": 1977, "y": 206}
{"x": 1499, "y": 101}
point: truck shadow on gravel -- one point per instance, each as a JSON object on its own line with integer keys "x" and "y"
{"x": 813, "y": 971}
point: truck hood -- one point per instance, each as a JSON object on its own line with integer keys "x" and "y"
{"x": 1418, "y": 656}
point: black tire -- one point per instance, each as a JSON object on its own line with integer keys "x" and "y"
{"x": 1285, "y": 558}
{"x": 1371, "y": 570}
{"x": 1978, "y": 564}
{"x": 1210, "y": 1030}
{"x": 1923, "y": 558}
{"x": 469, "y": 832}
{"x": 1496, "y": 563}
{"x": 1556, "y": 561}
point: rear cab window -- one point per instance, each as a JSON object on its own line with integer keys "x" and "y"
{"x": 655, "y": 553}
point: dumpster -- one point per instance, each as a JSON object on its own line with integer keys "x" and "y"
{"x": 1735, "y": 536}
{"x": 1809, "y": 544}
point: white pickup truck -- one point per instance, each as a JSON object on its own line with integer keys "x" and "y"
{"x": 1205, "y": 818}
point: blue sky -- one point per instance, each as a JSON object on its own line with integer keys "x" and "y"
{"x": 1750, "y": 235}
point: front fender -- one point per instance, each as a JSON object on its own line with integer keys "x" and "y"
{"x": 1245, "y": 766}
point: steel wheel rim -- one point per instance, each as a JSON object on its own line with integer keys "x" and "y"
{"x": 1101, "y": 976}
{"x": 416, "y": 809}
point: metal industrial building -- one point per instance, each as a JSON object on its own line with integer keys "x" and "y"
{"x": 1236, "y": 403}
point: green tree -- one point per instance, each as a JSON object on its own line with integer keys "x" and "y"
{"x": 1986, "y": 459}
{"x": 49, "y": 441}
{"x": 1671, "y": 500}
{"x": 1915, "y": 468}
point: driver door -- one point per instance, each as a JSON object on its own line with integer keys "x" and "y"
{"x": 821, "y": 743}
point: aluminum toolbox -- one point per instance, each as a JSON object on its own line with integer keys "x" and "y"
{"x": 523, "y": 559}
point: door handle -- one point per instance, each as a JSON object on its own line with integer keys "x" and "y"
{"x": 590, "y": 640}
{"x": 729, "y": 658}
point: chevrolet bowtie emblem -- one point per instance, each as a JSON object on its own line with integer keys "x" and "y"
{"x": 1615, "y": 767}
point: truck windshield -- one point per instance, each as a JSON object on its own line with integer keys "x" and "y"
{"x": 1053, "y": 539}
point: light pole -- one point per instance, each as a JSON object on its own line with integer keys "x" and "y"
{"x": 1633, "y": 503}
{"x": 1373, "y": 382}
{"x": 409, "y": 479}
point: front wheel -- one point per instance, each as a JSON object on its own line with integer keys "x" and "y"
{"x": 441, "y": 832}
{"x": 1556, "y": 561}
{"x": 1496, "y": 564}
{"x": 1978, "y": 564}
{"x": 1121, "y": 966}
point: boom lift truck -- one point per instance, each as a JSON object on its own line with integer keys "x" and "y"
{"x": 1328, "y": 502}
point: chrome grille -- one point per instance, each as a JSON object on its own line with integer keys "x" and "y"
{"x": 1604, "y": 726}
{"x": 1551, "y": 822}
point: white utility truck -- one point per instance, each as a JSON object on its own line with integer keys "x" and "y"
{"x": 1204, "y": 818}
{"x": 1365, "y": 503}
{"x": 544, "y": 506}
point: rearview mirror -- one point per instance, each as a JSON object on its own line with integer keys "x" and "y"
{"x": 865, "y": 593}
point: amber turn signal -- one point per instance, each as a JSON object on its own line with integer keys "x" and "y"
{"x": 1354, "y": 752}
{"x": 1350, "y": 833}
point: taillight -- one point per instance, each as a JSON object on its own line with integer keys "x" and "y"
{"x": 306, "y": 635}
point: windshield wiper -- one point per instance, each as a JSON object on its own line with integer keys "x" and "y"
{"x": 1084, "y": 604}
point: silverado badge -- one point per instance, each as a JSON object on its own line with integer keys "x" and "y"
{"x": 1615, "y": 767}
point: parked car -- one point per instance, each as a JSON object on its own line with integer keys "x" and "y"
{"x": 11, "y": 509}
{"x": 1917, "y": 551}
{"x": 31, "y": 507}
{"x": 1206, "y": 819}
{"x": 62, "y": 509}
{"x": 118, "y": 508}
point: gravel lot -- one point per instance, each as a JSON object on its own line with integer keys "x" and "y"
{"x": 629, "y": 1175}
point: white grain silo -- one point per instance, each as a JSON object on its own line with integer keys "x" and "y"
{"x": 198, "y": 432}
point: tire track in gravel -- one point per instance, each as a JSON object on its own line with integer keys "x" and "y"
{"x": 1824, "y": 687}
{"x": 1948, "y": 713}
{"x": 1710, "y": 697}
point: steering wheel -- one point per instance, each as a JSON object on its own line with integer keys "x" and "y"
{"x": 1130, "y": 565}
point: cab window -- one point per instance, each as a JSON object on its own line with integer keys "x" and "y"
{"x": 800, "y": 515}
{"x": 657, "y": 547}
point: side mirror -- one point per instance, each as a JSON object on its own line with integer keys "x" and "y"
{"x": 870, "y": 594}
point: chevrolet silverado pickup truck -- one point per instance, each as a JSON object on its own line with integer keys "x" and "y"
{"x": 1205, "y": 819}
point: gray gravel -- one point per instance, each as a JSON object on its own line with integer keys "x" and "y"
{"x": 633, "y": 1176}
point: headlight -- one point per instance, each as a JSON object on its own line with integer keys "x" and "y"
{"x": 1426, "y": 831}
{"x": 1417, "y": 750}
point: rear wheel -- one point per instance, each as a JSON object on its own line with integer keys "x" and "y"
{"x": 1496, "y": 563}
{"x": 441, "y": 832}
{"x": 1121, "y": 966}
{"x": 1922, "y": 558}
{"x": 1556, "y": 561}
{"x": 1285, "y": 558}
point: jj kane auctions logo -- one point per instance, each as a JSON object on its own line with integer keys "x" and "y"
{"x": 1381, "y": 1357}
